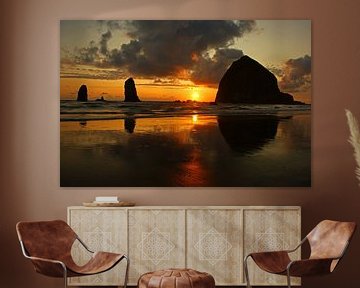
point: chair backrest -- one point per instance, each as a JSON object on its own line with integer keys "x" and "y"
{"x": 46, "y": 239}
{"x": 329, "y": 239}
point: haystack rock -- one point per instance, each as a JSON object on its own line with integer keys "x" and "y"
{"x": 130, "y": 91}
{"x": 82, "y": 94}
{"x": 247, "y": 81}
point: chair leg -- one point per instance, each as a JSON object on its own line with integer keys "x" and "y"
{"x": 246, "y": 270}
{"x": 65, "y": 276}
{"x": 127, "y": 271}
{"x": 288, "y": 278}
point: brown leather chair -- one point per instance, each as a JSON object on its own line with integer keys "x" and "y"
{"x": 48, "y": 245}
{"x": 328, "y": 242}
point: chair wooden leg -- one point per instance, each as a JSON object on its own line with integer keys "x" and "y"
{"x": 246, "y": 271}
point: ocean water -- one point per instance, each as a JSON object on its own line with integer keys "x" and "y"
{"x": 166, "y": 144}
{"x": 96, "y": 110}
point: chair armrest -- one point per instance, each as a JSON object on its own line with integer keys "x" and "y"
{"x": 45, "y": 260}
{"x": 280, "y": 251}
{"x": 84, "y": 245}
{"x": 309, "y": 267}
{"x": 268, "y": 252}
{"x": 48, "y": 267}
{"x": 298, "y": 246}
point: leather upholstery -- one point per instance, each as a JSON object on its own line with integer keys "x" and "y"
{"x": 53, "y": 240}
{"x": 272, "y": 262}
{"x": 176, "y": 278}
{"x": 328, "y": 241}
{"x": 310, "y": 267}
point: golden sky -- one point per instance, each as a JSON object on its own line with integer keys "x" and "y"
{"x": 179, "y": 60}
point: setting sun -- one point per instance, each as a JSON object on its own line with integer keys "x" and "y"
{"x": 195, "y": 96}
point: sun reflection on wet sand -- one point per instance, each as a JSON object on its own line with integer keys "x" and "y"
{"x": 165, "y": 124}
{"x": 189, "y": 150}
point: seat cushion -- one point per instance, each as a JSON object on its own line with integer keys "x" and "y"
{"x": 176, "y": 278}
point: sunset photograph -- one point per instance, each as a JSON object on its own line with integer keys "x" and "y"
{"x": 185, "y": 103}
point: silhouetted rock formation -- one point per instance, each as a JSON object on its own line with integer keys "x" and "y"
{"x": 247, "y": 81}
{"x": 82, "y": 93}
{"x": 130, "y": 91}
{"x": 129, "y": 124}
{"x": 247, "y": 134}
{"x": 101, "y": 99}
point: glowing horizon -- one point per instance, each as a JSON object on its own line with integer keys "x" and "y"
{"x": 103, "y": 54}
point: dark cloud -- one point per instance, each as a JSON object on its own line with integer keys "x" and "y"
{"x": 169, "y": 82}
{"x": 170, "y": 48}
{"x": 275, "y": 70}
{"x": 296, "y": 75}
{"x": 209, "y": 70}
{"x": 87, "y": 55}
{"x": 113, "y": 24}
{"x": 108, "y": 24}
{"x": 128, "y": 54}
{"x": 105, "y": 37}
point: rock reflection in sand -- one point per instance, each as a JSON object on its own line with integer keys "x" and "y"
{"x": 192, "y": 150}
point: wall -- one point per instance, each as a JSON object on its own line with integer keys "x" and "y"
{"x": 30, "y": 119}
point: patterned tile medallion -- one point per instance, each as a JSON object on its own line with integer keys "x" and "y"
{"x": 156, "y": 241}
{"x": 214, "y": 244}
{"x": 156, "y": 246}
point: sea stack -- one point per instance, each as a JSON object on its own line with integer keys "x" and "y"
{"x": 82, "y": 94}
{"x": 101, "y": 99}
{"x": 247, "y": 81}
{"x": 130, "y": 91}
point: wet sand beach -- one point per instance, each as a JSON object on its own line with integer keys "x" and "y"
{"x": 246, "y": 148}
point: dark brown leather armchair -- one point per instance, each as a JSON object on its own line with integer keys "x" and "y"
{"x": 48, "y": 245}
{"x": 328, "y": 242}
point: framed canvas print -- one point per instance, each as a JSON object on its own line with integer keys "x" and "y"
{"x": 191, "y": 103}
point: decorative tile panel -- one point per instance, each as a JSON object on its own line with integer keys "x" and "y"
{"x": 156, "y": 240}
{"x": 100, "y": 230}
{"x": 270, "y": 230}
{"x": 214, "y": 241}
